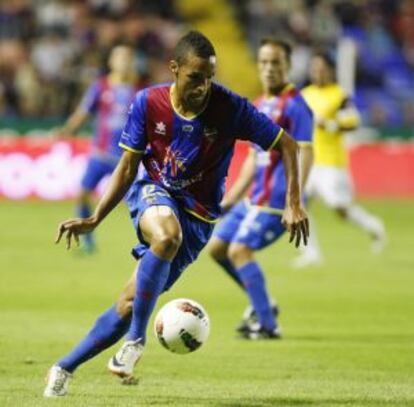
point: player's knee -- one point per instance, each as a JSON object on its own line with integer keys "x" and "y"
{"x": 166, "y": 244}
{"x": 217, "y": 249}
{"x": 239, "y": 254}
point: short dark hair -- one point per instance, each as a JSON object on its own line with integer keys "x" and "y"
{"x": 326, "y": 57}
{"x": 195, "y": 42}
{"x": 287, "y": 48}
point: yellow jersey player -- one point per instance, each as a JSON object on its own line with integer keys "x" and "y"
{"x": 330, "y": 179}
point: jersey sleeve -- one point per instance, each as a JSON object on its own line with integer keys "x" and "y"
{"x": 347, "y": 115}
{"x": 90, "y": 100}
{"x": 133, "y": 137}
{"x": 257, "y": 127}
{"x": 301, "y": 119}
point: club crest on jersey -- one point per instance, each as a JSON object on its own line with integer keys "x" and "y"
{"x": 211, "y": 133}
{"x": 188, "y": 128}
{"x": 160, "y": 128}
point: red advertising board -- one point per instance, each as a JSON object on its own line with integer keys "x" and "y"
{"x": 46, "y": 169}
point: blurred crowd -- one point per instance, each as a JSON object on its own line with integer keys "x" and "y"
{"x": 383, "y": 31}
{"x": 50, "y": 50}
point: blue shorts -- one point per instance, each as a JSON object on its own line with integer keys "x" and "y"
{"x": 95, "y": 171}
{"x": 196, "y": 233}
{"x": 249, "y": 226}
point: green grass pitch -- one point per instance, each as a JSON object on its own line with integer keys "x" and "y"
{"x": 348, "y": 326}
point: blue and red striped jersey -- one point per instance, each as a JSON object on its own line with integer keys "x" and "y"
{"x": 291, "y": 112}
{"x": 109, "y": 104}
{"x": 190, "y": 157}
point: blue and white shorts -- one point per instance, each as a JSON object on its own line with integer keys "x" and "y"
{"x": 196, "y": 232}
{"x": 250, "y": 226}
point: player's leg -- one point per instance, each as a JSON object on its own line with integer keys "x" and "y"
{"x": 251, "y": 274}
{"x": 224, "y": 233}
{"x": 365, "y": 221}
{"x": 340, "y": 198}
{"x": 256, "y": 231}
{"x": 96, "y": 169}
{"x": 108, "y": 329}
{"x": 172, "y": 240}
{"x": 161, "y": 230}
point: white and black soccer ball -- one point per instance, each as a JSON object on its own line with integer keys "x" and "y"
{"x": 182, "y": 326}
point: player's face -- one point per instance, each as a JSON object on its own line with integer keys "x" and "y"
{"x": 273, "y": 66}
{"x": 320, "y": 72}
{"x": 193, "y": 79}
{"x": 121, "y": 60}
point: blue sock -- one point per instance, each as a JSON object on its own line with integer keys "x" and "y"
{"x": 84, "y": 210}
{"x": 108, "y": 329}
{"x": 151, "y": 279}
{"x": 254, "y": 283}
{"x": 231, "y": 271}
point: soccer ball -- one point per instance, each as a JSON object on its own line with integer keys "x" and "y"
{"x": 182, "y": 326}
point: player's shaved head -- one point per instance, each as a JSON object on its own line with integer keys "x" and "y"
{"x": 194, "y": 43}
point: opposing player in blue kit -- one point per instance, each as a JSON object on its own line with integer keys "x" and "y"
{"x": 255, "y": 223}
{"x": 107, "y": 99}
{"x": 184, "y": 134}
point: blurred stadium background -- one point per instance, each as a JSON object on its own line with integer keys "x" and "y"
{"x": 349, "y": 331}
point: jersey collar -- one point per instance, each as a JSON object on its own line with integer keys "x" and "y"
{"x": 191, "y": 117}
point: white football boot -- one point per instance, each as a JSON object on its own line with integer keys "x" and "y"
{"x": 57, "y": 382}
{"x": 124, "y": 361}
{"x": 307, "y": 259}
{"x": 379, "y": 240}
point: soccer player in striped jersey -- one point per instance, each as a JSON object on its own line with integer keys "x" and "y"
{"x": 184, "y": 134}
{"x": 330, "y": 180}
{"x": 107, "y": 100}
{"x": 255, "y": 223}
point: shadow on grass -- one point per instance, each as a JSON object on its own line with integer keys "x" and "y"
{"x": 257, "y": 402}
{"x": 364, "y": 338}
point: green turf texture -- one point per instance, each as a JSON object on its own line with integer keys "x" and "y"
{"x": 348, "y": 326}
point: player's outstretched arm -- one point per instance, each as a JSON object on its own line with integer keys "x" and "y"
{"x": 121, "y": 179}
{"x": 78, "y": 118}
{"x": 294, "y": 216}
{"x": 242, "y": 183}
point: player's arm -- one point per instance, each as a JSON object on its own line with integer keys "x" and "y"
{"x": 258, "y": 128}
{"x": 306, "y": 162}
{"x": 78, "y": 118}
{"x": 301, "y": 118}
{"x": 121, "y": 179}
{"x": 83, "y": 112}
{"x": 346, "y": 118}
{"x": 133, "y": 141}
{"x": 242, "y": 183}
{"x": 294, "y": 217}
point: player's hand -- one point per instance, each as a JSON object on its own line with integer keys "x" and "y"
{"x": 73, "y": 228}
{"x": 296, "y": 222}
